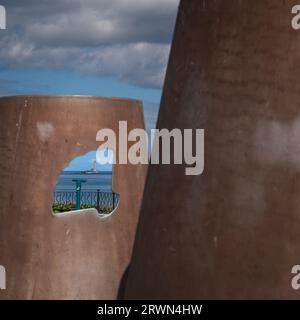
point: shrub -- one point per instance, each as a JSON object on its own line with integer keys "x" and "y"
{"x": 65, "y": 207}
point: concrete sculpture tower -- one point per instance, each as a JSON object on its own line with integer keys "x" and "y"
{"x": 72, "y": 256}
{"x": 234, "y": 231}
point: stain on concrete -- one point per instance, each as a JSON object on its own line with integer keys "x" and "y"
{"x": 45, "y": 130}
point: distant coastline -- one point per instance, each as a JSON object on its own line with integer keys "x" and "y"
{"x": 84, "y": 172}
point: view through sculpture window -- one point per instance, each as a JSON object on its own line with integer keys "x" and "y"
{"x": 85, "y": 184}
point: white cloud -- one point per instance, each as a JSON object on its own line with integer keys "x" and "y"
{"x": 126, "y": 39}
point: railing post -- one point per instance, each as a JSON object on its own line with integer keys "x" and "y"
{"x": 78, "y": 192}
{"x": 98, "y": 200}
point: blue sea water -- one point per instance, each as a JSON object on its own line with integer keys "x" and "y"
{"x": 94, "y": 181}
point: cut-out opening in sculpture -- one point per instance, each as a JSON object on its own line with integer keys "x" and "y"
{"x": 85, "y": 184}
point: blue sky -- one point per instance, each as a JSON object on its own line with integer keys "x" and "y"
{"x": 87, "y": 47}
{"x": 86, "y": 162}
{"x": 72, "y": 83}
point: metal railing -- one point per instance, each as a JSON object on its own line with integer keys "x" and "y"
{"x": 93, "y": 198}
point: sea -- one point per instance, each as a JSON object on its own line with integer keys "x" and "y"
{"x": 94, "y": 181}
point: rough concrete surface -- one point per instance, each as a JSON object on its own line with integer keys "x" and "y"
{"x": 234, "y": 231}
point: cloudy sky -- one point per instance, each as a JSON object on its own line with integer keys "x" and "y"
{"x": 93, "y": 47}
{"x": 87, "y": 47}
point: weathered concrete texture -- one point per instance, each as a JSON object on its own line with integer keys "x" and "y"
{"x": 75, "y": 256}
{"x": 233, "y": 232}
